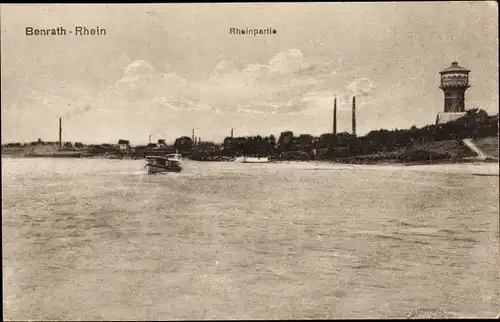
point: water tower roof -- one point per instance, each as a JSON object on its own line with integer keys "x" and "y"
{"x": 455, "y": 67}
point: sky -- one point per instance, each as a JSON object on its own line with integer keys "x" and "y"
{"x": 166, "y": 69}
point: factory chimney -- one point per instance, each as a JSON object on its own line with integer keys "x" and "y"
{"x": 60, "y": 132}
{"x": 335, "y": 116}
{"x": 232, "y": 132}
{"x": 354, "y": 115}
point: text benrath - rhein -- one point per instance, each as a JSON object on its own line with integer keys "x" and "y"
{"x": 61, "y": 31}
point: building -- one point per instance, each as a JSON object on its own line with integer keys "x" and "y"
{"x": 454, "y": 83}
{"x": 122, "y": 147}
{"x": 162, "y": 143}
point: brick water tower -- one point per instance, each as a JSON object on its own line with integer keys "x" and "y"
{"x": 454, "y": 83}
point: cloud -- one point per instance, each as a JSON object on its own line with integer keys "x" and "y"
{"x": 181, "y": 104}
{"x": 288, "y": 62}
{"x": 273, "y": 88}
{"x": 139, "y": 68}
{"x": 288, "y": 84}
{"x": 360, "y": 86}
{"x": 65, "y": 107}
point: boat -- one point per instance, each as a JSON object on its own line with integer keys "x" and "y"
{"x": 252, "y": 160}
{"x": 175, "y": 157}
{"x": 113, "y": 156}
{"x": 168, "y": 163}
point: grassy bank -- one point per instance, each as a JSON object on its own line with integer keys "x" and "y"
{"x": 442, "y": 152}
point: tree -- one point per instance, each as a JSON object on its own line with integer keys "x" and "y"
{"x": 272, "y": 140}
{"x": 285, "y": 141}
{"x": 305, "y": 142}
{"x": 227, "y": 142}
{"x": 184, "y": 143}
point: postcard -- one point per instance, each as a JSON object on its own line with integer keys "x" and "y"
{"x": 192, "y": 161}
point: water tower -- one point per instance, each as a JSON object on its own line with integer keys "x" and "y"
{"x": 454, "y": 83}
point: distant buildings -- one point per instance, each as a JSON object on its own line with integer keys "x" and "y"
{"x": 123, "y": 145}
{"x": 454, "y": 83}
{"x": 161, "y": 143}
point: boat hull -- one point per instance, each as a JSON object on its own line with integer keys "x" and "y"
{"x": 153, "y": 168}
{"x": 251, "y": 160}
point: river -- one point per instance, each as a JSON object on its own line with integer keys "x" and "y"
{"x": 101, "y": 240}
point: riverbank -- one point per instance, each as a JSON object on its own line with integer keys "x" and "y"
{"x": 83, "y": 155}
{"x": 429, "y": 153}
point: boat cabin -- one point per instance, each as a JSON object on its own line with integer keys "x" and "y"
{"x": 162, "y": 161}
{"x": 174, "y": 157}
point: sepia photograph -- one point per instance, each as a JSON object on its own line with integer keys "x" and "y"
{"x": 201, "y": 161}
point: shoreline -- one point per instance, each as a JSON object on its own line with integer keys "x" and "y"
{"x": 433, "y": 153}
{"x": 329, "y": 162}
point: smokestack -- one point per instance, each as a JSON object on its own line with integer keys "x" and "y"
{"x": 60, "y": 132}
{"x": 193, "y": 138}
{"x": 335, "y": 116}
{"x": 354, "y": 115}
{"x": 232, "y": 133}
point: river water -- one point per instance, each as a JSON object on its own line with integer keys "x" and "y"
{"x": 101, "y": 240}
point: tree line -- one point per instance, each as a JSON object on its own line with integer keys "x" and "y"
{"x": 475, "y": 124}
